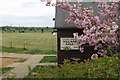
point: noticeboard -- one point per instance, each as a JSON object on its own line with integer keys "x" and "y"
{"x": 68, "y": 44}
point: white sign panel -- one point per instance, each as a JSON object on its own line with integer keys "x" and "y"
{"x": 68, "y": 44}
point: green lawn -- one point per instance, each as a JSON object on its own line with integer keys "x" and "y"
{"x": 47, "y": 59}
{"x": 39, "y": 69}
{"x": 22, "y": 60}
{"x": 46, "y": 41}
{"x": 27, "y": 51}
{"x": 4, "y": 70}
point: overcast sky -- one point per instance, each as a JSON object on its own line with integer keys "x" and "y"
{"x": 26, "y": 13}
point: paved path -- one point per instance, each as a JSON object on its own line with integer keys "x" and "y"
{"x": 46, "y": 64}
{"x": 21, "y": 69}
{"x": 26, "y": 56}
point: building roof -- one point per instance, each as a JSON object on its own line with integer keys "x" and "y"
{"x": 61, "y": 15}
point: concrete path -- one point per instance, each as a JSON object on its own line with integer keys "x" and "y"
{"x": 21, "y": 69}
{"x": 46, "y": 64}
{"x": 25, "y": 56}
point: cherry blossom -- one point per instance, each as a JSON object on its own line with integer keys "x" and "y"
{"x": 96, "y": 32}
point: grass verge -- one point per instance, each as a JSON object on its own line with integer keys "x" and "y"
{"x": 22, "y": 60}
{"x": 26, "y": 51}
{"x": 38, "y": 69}
{"x": 4, "y": 70}
{"x": 48, "y": 59}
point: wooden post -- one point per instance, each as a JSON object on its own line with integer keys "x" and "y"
{"x": 11, "y": 44}
{"x": 38, "y": 47}
{"x": 24, "y": 46}
{"x": 52, "y": 47}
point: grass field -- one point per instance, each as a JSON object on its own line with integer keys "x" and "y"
{"x": 47, "y": 59}
{"x": 4, "y": 70}
{"x": 38, "y": 69}
{"x": 22, "y": 60}
{"x": 46, "y": 41}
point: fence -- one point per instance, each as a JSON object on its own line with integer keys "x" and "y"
{"x": 30, "y": 41}
{"x": 31, "y": 46}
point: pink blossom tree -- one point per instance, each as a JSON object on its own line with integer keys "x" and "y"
{"x": 102, "y": 34}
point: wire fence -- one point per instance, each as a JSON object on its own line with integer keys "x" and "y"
{"x": 31, "y": 46}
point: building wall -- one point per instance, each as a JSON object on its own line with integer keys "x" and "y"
{"x": 67, "y": 30}
{"x": 63, "y": 54}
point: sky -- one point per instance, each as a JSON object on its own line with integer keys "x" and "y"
{"x": 27, "y": 13}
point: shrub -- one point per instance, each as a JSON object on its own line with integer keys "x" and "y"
{"x": 104, "y": 67}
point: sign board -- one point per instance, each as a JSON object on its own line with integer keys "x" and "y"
{"x": 68, "y": 44}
